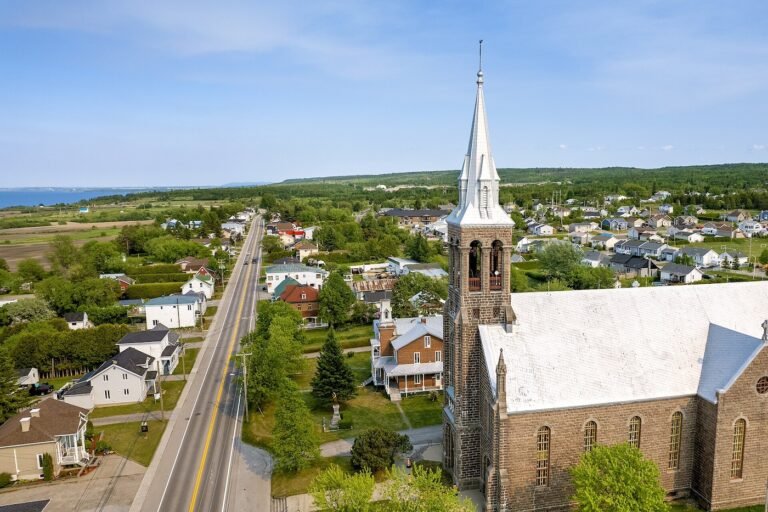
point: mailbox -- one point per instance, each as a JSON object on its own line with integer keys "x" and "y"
{"x": 144, "y": 427}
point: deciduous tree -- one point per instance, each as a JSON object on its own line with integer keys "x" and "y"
{"x": 617, "y": 479}
{"x": 375, "y": 448}
{"x": 296, "y": 443}
{"x": 335, "y": 490}
{"x": 422, "y": 491}
{"x": 336, "y": 298}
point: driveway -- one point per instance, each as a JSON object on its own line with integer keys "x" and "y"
{"x": 110, "y": 488}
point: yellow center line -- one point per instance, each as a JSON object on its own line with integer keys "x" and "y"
{"x": 215, "y": 412}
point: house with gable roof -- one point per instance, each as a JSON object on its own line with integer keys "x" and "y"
{"x": 127, "y": 377}
{"x": 160, "y": 343}
{"x": 407, "y": 353}
{"x": 174, "y": 311}
{"x": 200, "y": 282}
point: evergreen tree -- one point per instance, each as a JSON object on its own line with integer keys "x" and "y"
{"x": 418, "y": 249}
{"x": 11, "y": 397}
{"x": 295, "y": 443}
{"x": 333, "y": 375}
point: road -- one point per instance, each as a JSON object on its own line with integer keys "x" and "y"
{"x": 192, "y": 468}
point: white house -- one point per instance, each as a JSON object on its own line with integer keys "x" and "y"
{"x": 541, "y": 229}
{"x": 27, "y": 377}
{"x": 234, "y": 227}
{"x": 312, "y": 276}
{"x": 160, "y": 343}
{"x": 667, "y": 209}
{"x": 582, "y": 227}
{"x": 728, "y": 257}
{"x": 626, "y": 211}
{"x": 674, "y": 273}
{"x": 399, "y": 266}
{"x": 202, "y": 283}
{"x": 124, "y": 378}
{"x": 604, "y": 240}
{"x": 751, "y": 227}
{"x": 77, "y": 321}
{"x": 702, "y": 256}
{"x": 688, "y": 236}
{"x": 173, "y": 311}
{"x": 522, "y": 244}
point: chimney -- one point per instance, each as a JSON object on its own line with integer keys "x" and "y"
{"x": 34, "y": 413}
{"x": 423, "y": 319}
{"x": 25, "y": 424}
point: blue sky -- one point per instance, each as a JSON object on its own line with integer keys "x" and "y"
{"x": 185, "y": 92}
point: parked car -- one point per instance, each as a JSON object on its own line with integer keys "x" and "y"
{"x": 39, "y": 389}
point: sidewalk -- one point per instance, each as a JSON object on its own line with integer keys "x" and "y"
{"x": 419, "y": 437}
{"x": 129, "y": 418}
{"x": 315, "y": 355}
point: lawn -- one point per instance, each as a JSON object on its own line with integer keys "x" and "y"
{"x": 58, "y": 382}
{"x": 348, "y": 337}
{"x": 127, "y": 439}
{"x": 298, "y": 483}
{"x": 210, "y": 311}
{"x": 171, "y": 393}
{"x": 190, "y": 355}
{"x": 370, "y": 408}
{"x": 422, "y": 411}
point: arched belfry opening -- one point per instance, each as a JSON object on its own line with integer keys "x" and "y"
{"x": 475, "y": 266}
{"x": 497, "y": 265}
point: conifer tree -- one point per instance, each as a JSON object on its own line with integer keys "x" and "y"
{"x": 333, "y": 375}
{"x": 12, "y": 398}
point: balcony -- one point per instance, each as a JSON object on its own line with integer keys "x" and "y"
{"x": 474, "y": 284}
{"x": 495, "y": 282}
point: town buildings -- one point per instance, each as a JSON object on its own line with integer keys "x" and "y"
{"x": 533, "y": 380}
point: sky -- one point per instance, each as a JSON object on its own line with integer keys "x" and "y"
{"x": 186, "y": 92}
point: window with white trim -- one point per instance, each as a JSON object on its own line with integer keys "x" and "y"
{"x": 635, "y": 427}
{"x": 106, "y": 394}
{"x": 106, "y": 377}
{"x": 438, "y": 356}
{"x": 417, "y": 379}
{"x": 427, "y": 341}
{"x": 39, "y": 461}
{"x": 125, "y": 376}
{"x": 126, "y": 391}
{"x": 154, "y": 322}
{"x": 675, "y": 438}
{"x": 737, "y": 452}
{"x": 542, "y": 456}
{"x": 416, "y": 357}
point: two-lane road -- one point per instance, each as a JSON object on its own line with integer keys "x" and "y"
{"x": 192, "y": 468}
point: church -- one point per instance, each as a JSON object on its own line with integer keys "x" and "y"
{"x": 534, "y": 380}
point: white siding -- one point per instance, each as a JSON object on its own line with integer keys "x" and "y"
{"x": 171, "y": 315}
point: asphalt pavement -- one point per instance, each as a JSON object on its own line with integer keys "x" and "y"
{"x": 192, "y": 469}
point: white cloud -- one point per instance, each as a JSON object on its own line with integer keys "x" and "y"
{"x": 668, "y": 147}
{"x": 563, "y": 146}
{"x": 641, "y": 148}
{"x": 758, "y": 147}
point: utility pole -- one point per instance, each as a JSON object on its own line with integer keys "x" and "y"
{"x": 245, "y": 379}
{"x": 160, "y": 387}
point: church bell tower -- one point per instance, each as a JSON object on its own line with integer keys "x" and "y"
{"x": 480, "y": 247}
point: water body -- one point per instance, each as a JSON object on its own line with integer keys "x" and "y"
{"x": 50, "y": 196}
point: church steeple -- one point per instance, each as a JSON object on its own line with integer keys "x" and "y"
{"x": 479, "y": 181}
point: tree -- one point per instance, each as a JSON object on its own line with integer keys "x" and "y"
{"x": 47, "y": 467}
{"x": 763, "y": 258}
{"x": 362, "y": 313}
{"x": 25, "y": 310}
{"x": 617, "y": 479}
{"x": 3, "y": 264}
{"x": 418, "y": 249}
{"x": 375, "y": 448}
{"x": 422, "y": 491}
{"x": 63, "y": 253}
{"x": 558, "y": 260}
{"x": 295, "y": 444}
{"x": 518, "y": 281}
{"x": 11, "y": 397}
{"x": 31, "y": 270}
{"x": 411, "y": 284}
{"x": 335, "y": 299}
{"x": 333, "y": 489}
{"x": 333, "y": 376}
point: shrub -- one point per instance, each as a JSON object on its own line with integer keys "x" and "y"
{"x": 177, "y": 277}
{"x": 375, "y": 449}
{"x": 160, "y": 268}
{"x": 345, "y": 424}
{"x": 103, "y": 447}
{"x": 5, "y": 480}
{"x": 150, "y": 291}
{"x": 47, "y": 467}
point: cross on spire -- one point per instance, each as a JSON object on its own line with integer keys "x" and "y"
{"x": 765, "y": 330}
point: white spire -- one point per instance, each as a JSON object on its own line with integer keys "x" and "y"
{"x": 479, "y": 181}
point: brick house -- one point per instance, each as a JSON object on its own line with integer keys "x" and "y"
{"x": 407, "y": 353}
{"x": 304, "y": 299}
{"x": 533, "y": 380}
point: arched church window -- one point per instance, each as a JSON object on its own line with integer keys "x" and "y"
{"x": 497, "y": 265}
{"x": 475, "y": 265}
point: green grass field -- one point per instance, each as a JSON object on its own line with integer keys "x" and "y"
{"x": 348, "y": 337}
{"x": 127, "y": 439}
{"x": 189, "y": 361}
{"x": 171, "y": 393}
{"x": 422, "y": 411}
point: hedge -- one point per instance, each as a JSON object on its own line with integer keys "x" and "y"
{"x": 5, "y": 480}
{"x": 178, "y": 277}
{"x": 159, "y": 268}
{"x": 150, "y": 291}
